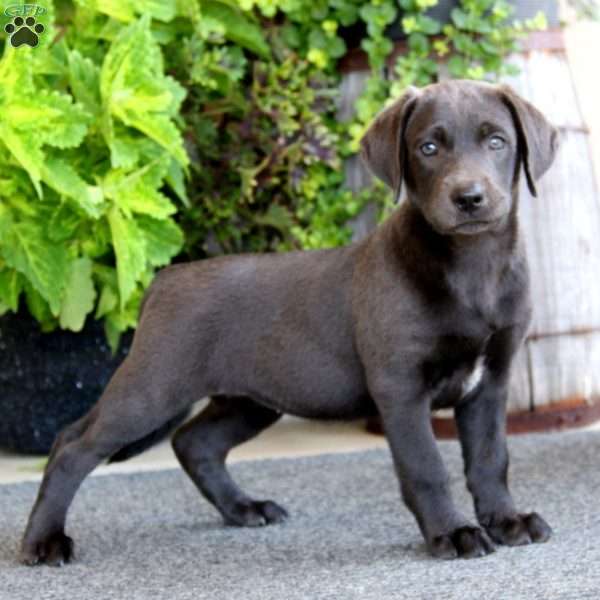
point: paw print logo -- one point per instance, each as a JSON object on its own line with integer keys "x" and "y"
{"x": 24, "y": 31}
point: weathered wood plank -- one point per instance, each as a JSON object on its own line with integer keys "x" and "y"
{"x": 351, "y": 86}
{"x": 519, "y": 391}
{"x": 562, "y": 233}
{"x": 565, "y": 367}
{"x": 545, "y": 80}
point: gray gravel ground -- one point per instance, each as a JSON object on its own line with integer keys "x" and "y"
{"x": 150, "y": 535}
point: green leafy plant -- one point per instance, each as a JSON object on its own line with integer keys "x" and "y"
{"x": 473, "y": 45}
{"x": 139, "y": 132}
{"x": 86, "y": 145}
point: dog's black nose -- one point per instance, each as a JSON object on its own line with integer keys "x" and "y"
{"x": 469, "y": 199}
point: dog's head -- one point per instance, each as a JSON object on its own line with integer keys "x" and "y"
{"x": 459, "y": 147}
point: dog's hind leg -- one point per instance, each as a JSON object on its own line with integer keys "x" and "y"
{"x": 202, "y": 445}
{"x": 129, "y": 409}
{"x": 68, "y": 434}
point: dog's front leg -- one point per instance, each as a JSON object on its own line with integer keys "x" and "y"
{"x": 481, "y": 426}
{"x": 424, "y": 479}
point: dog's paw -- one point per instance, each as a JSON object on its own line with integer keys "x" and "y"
{"x": 518, "y": 530}
{"x": 463, "y": 542}
{"x": 255, "y": 513}
{"x": 55, "y": 550}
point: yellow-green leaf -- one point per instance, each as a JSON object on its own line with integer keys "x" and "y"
{"x": 135, "y": 90}
{"x": 39, "y": 309}
{"x": 79, "y": 295}
{"x": 176, "y": 181}
{"x": 10, "y": 288}
{"x": 63, "y": 178}
{"x": 45, "y": 264}
{"x": 159, "y": 127}
{"x": 125, "y": 10}
{"x": 108, "y": 301}
{"x": 84, "y": 80}
{"x": 130, "y": 251}
{"x": 137, "y": 191}
{"x": 238, "y": 28}
{"x": 164, "y": 240}
{"x": 26, "y": 149}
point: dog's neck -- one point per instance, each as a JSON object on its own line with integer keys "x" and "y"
{"x": 436, "y": 261}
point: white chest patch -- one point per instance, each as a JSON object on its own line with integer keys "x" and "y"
{"x": 473, "y": 379}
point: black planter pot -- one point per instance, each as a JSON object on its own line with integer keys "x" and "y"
{"x": 48, "y": 380}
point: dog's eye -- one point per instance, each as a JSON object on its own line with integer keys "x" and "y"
{"x": 429, "y": 149}
{"x": 496, "y": 143}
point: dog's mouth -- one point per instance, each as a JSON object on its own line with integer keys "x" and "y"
{"x": 474, "y": 227}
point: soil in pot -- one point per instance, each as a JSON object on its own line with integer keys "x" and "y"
{"x": 48, "y": 380}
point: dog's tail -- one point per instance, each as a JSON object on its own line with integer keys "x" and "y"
{"x": 137, "y": 447}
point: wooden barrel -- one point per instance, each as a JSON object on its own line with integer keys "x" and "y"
{"x": 556, "y": 376}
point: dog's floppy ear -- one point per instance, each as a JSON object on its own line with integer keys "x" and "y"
{"x": 538, "y": 140}
{"x": 382, "y": 147}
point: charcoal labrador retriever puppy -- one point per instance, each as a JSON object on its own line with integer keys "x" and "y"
{"x": 426, "y": 312}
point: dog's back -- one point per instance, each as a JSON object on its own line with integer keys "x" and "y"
{"x": 275, "y": 327}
